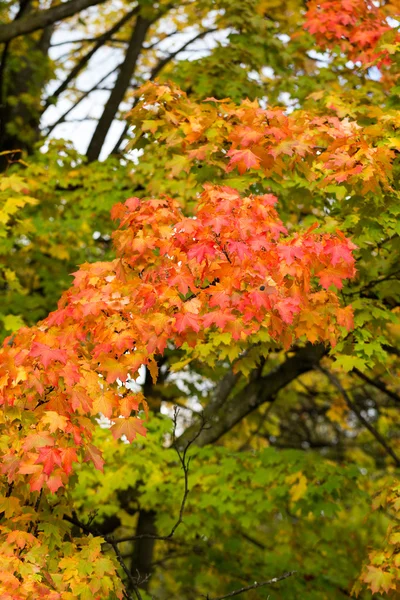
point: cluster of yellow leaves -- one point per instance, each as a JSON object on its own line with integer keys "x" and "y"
{"x": 264, "y": 143}
{"x": 382, "y": 574}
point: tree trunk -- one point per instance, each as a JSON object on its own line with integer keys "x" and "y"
{"x": 142, "y": 557}
{"x": 126, "y": 71}
{"x": 21, "y": 87}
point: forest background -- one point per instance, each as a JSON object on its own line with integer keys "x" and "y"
{"x": 266, "y": 392}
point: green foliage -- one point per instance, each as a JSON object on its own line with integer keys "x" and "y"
{"x": 55, "y": 215}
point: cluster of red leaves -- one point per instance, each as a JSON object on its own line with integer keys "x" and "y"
{"x": 232, "y": 267}
{"x": 357, "y": 27}
{"x": 322, "y": 149}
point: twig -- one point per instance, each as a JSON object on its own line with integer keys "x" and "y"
{"x": 378, "y": 384}
{"x": 335, "y": 381}
{"x": 185, "y": 462}
{"x": 252, "y": 587}
{"x": 114, "y": 544}
{"x": 127, "y": 572}
{"x": 87, "y": 528}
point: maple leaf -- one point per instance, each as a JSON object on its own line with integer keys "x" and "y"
{"x": 183, "y": 281}
{"x": 49, "y": 457}
{"x": 239, "y": 248}
{"x": 287, "y": 308}
{"x": 187, "y": 321}
{"x": 340, "y": 252}
{"x": 244, "y": 160}
{"x": 379, "y": 580}
{"x": 332, "y": 276}
{"x": 54, "y": 482}
{"x": 104, "y": 403}
{"x": 289, "y": 253}
{"x": 47, "y": 355}
{"x": 94, "y": 455}
{"x": 38, "y": 439}
{"x": 202, "y": 250}
{"x": 128, "y": 404}
{"x": 37, "y": 481}
{"x": 80, "y": 401}
{"x": 115, "y": 369}
{"x": 218, "y": 318}
{"x": 68, "y": 456}
{"x": 345, "y": 317}
{"x": 129, "y": 427}
{"x": 54, "y": 421}
{"x": 21, "y": 538}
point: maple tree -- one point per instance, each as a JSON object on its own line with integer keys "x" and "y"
{"x": 255, "y": 276}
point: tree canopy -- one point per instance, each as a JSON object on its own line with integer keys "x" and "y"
{"x": 199, "y": 386}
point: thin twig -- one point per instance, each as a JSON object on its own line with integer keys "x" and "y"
{"x": 185, "y": 462}
{"x": 114, "y": 544}
{"x": 126, "y": 570}
{"x": 252, "y": 587}
{"x": 378, "y": 384}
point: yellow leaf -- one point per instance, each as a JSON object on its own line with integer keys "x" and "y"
{"x": 297, "y": 490}
{"x": 380, "y": 581}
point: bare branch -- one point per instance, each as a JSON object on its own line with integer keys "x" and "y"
{"x": 79, "y": 41}
{"x": 335, "y": 381}
{"x": 252, "y": 587}
{"x": 84, "y": 95}
{"x": 85, "y": 59}
{"x": 185, "y": 462}
{"x": 378, "y": 384}
{"x": 129, "y": 575}
{"x": 43, "y": 18}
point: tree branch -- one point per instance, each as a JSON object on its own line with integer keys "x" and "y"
{"x": 85, "y": 94}
{"x": 126, "y": 70}
{"x": 185, "y": 462}
{"x": 253, "y": 587}
{"x": 85, "y": 59}
{"x": 155, "y": 71}
{"x": 378, "y": 384}
{"x": 335, "y": 381}
{"x": 43, "y": 18}
{"x": 222, "y": 415}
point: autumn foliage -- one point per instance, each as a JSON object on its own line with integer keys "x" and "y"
{"x": 233, "y": 267}
{"x": 358, "y": 27}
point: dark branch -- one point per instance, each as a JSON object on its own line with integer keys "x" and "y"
{"x": 335, "y": 381}
{"x": 84, "y": 95}
{"x": 378, "y": 384}
{"x": 185, "y": 462}
{"x": 155, "y": 72}
{"x": 126, "y": 71}
{"x": 44, "y": 18}
{"x": 85, "y": 59}
{"x": 253, "y": 587}
{"x": 224, "y": 413}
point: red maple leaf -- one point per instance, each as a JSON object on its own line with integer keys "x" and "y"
{"x": 244, "y": 160}
{"x": 128, "y": 427}
{"x": 47, "y": 355}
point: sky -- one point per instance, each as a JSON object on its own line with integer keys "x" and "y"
{"x": 81, "y": 123}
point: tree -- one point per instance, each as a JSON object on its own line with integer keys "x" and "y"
{"x": 270, "y": 318}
